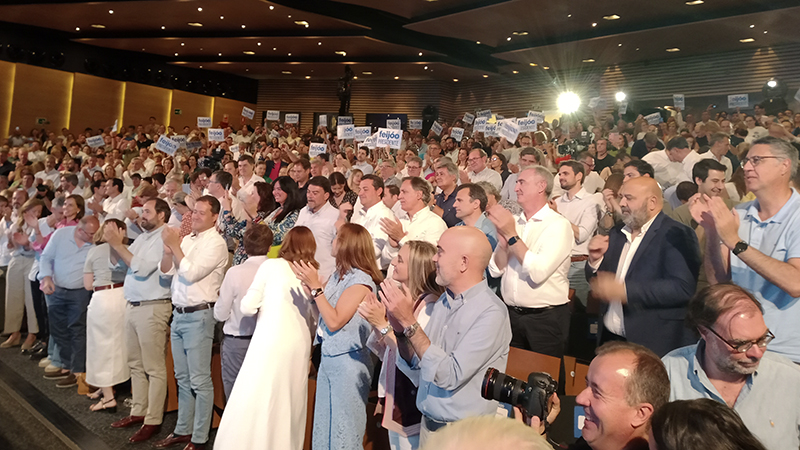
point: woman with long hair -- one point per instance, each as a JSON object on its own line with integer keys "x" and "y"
{"x": 355, "y": 179}
{"x": 289, "y": 204}
{"x": 341, "y": 191}
{"x": 463, "y": 155}
{"x": 415, "y": 271}
{"x": 267, "y": 406}
{"x": 258, "y": 204}
{"x": 106, "y": 352}
{"x": 499, "y": 164}
{"x": 345, "y": 369}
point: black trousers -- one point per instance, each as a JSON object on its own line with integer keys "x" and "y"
{"x": 541, "y": 330}
{"x": 40, "y": 306}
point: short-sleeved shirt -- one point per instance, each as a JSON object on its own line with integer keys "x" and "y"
{"x": 447, "y": 203}
{"x": 97, "y": 264}
{"x": 353, "y": 335}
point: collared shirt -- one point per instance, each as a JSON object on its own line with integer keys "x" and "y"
{"x": 115, "y": 208}
{"x": 614, "y": 319}
{"x": 688, "y": 164}
{"x": 509, "y": 188}
{"x": 725, "y": 161}
{"x": 371, "y": 220}
{"x": 63, "y": 260}
{"x": 768, "y": 402}
{"x": 777, "y": 237}
{"x": 245, "y": 190}
{"x": 667, "y": 172}
{"x": 469, "y": 333}
{"x": 485, "y": 225}
{"x": 322, "y": 224}
{"x": 364, "y": 167}
{"x": 540, "y": 280}
{"x": 448, "y": 208}
{"x": 53, "y": 175}
{"x": 197, "y": 278}
{"x": 425, "y": 225}
{"x": 235, "y": 285}
{"x": 582, "y": 211}
{"x": 144, "y": 281}
{"x": 489, "y": 175}
{"x": 593, "y": 183}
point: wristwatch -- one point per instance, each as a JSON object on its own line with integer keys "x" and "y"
{"x": 316, "y": 293}
{"x": 385, "y": 330}
{"x": 411, "y": 330}
{"x": 740, "y": 247}
{"x": 512, "y": 240}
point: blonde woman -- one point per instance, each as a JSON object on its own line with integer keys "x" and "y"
{"x": 414, "y": 269}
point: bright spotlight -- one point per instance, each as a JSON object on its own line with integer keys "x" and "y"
{"x": 772, "y": 83}
{"x": 568, "y": 102}
{"x": 620, "y": 96}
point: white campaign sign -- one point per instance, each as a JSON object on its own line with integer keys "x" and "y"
{"x": 115, "y": 127}
{"x": 526, "y": 124}
{"x": 623, "y": 108}
{"x": 436, "y": 128}
{"x": 204, "y": 122}
{"x": 480, "y": 124}
{"x": 739, "y": 101}
{"x": 247, "y": 112}
{"x": 394, "y": 124}
{"x": 509, "y": 130}
{"x": 235, "y": 150}
{"x": 484, "y": 113}
{"x": 361, "y": 133}
{"x": 490, "y": 129}
{"x": 469, "y": 118}
{"x": 345, "y": 132}
{"x": 273, "y": 115}
{"x": 194, "y": 145}
{"x": 167, "y": 145}
{"x": 679, "y": 101}
{"x": 323, "y": 120}
{"x": 415, "y": 124}
{"x": 344, "y": 120}
{"x": 96, "y": 141}
{"x": 216, "y": 134}
{"x": 457, "y": 133}
{"x": 292, "y": 118}
{"x": 653, "y": 119}
{"x": 797, "y": 95}
{"x": 370, "y": 141}
{"x": 181, "y": 140}
{"x": 389, "y": 137}
{"x": 316, "y": 149}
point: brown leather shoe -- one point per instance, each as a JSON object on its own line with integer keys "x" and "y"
{"x": 144, "y": 433}
{"x": 173, "y": 439}
{"x": 128, "y": 421}
{"x": 193, "y": 446}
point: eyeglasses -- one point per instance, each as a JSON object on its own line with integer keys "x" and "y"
{"x": 756, "y": 160}
{"x": 745, "y": 346}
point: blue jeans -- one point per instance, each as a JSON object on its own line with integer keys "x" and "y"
{"x": 52, "y": 348}
{"x": 192, "y": 336}
{"x": 67, "y": 312}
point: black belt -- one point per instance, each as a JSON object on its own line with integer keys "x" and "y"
{"x": 433, "y": 425}
{"x": 238, "y": 337}
{"x": 191, "y": 309}
{"x": 149, "y": 302}
{"x": 521, "y": 310}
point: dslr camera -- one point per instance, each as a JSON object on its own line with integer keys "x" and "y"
{"x": 530, "y": 397}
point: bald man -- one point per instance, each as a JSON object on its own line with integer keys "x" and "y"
{"x": 467, "y": 333}
{"x": 645, "y": 272}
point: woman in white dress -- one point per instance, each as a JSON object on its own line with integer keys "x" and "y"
{"x": 106, "y": 352}
{"x": 267, "y": 407}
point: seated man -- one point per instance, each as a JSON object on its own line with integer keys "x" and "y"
{"x": 730, "y": 364}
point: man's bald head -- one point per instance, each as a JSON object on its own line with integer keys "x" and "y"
{"x": 640, "y": 200}
{"x": 462, "y": 257}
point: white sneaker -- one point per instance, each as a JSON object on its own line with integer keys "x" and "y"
{"x": 44, "y": 362}
{"x": 52, "y": 368}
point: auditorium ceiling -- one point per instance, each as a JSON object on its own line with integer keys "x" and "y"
{"x": 412, "y": 39}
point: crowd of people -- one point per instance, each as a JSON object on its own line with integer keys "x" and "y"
{"x": 414, "y": 270}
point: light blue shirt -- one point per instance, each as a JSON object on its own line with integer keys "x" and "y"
{"x": 777, "y": 237}
{"x": 769, "y": 403}
{"x": 144, "y": 281}
{"x": 469, "y": 333}
{"x": 488, "y": 228}
{"x": 63, "y": 260}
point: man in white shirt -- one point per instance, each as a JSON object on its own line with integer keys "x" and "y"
{"x": 361, "y": 161}
{"x": 754, "y": 130}
{"x": 582, "y": 210}
{"x": 320, "y": 217}
{"x": 720, "y": 143}
{"x": 533, "y": 257}
{"x": 49, "y": 172}
{"x": 479, "y": 171}
{"x": 147, "y": 162}
{"x": 593, "y": 182}
{"x": 243, "y": 185}
{"x": 197, "y": 266}
{"x": 35, "y": 152}
{"x": 673, "y": 164}
{"x": 528, "y": 157}
{"x": 369, "y": 214}
{"x": 245, "y": 137}
{"x": 417, "y": 223}
{"x": 115, "y": 205}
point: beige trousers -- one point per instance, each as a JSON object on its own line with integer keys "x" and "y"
{"x": 18, "y": 296}
{"x": 146, "y": 333}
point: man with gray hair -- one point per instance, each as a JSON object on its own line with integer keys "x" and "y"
{"x": 418, "y": 222}
{"x": 389, "y": 173}
{"x": 479, "y": 171}
{"x": 447, "y": 181}
{"x": 533, "y": 257}
{"x": 758, "y": 247}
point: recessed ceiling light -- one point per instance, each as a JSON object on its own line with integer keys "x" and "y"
{"x": 247, "y": 70}
{"x": 515, "y": 71}
{"x": 508, "y": 38}
{"x": 619, "y": 45}
{"x": 142, "y": 49}
{"x": 182, "y": 44}
{"x": 201, "y": 67}
{"x": 594, "y": 24}
{"x": 455, "y": 79}
{"x": 590, "y": 60}
{"x": 290, "y": 54}
{"x": 97, "y": 25}
{"x": 425, "y": 68}
{"x": 396, "y": 78}
{"x": 271, "y": 7}
{"x": 201, "y": 48}
{"x": 355, "y": 78}
{"x": 746, "y": 40}
{"x": 289, "y": 16}
{"x": 319, "y": 43}
{"x": 673, "y": 49}
{"x": 195, "y": 24}
{"x": 765, "y": 31}
{"x": 249, "y": 53}
{"x": 366, "y": 73}
{"x": 286, "y": 72}
{"x": 163, "y": 27}
{"x": 176, "y": 53}
{"x": 695, "y": 2}
{"x": 341, "y": 53}
{"x": 220, "y": 54}
{"x": 221, "y": 17}
{"x": 546, "y": 68}
{"x": 569, "y": 15}
{"x": 111, "y": 11}
{"x": 259, "y": 44}
{"x": 420, "y": 53}
{"x": 308, "y": 77}
{"x": 533, "y": 64}
{"x": 478, "y": 42}
{"x": 485, "y": 76}
{"x": 752, "y": 26}
{"x": 520, "y": 33}
{"x": 79, "y": 29}
{"x": 637, "y": 49}
{"x": 301, "y": 23}
{"x": 200, "y": 9}
{"x": 611, "y": 17}
{"x": 243, "y": 25}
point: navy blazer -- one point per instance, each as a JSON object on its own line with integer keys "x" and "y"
{"x": 661, "y": 280}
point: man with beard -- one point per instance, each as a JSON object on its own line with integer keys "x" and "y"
{"x": 730, "y": 364}
{"x": 646, "y": 271}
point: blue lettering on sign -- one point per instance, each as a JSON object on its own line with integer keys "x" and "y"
{"x": 389, "y": 135}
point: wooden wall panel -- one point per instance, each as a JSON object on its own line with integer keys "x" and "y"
{"x": 191, "y": 106}
{"x": 40, "y": 92}
{"x": 142, "y": 101}
{"x": 233, "y": 108}
{"x": 7, "y": 72}
{"x": 96, "y": 102}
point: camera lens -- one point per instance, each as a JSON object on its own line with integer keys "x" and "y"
{"x": 503, "y": 388}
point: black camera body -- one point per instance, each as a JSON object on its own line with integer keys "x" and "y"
{"x": 530, "y": 397}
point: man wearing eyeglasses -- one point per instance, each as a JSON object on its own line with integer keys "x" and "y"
{"x": 731, "y": 364}
{"x": 758, "y": 246}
